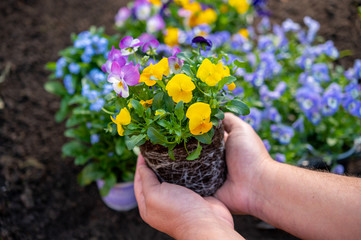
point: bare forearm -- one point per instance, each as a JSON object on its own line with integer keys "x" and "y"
{"x": 309, "y": 204}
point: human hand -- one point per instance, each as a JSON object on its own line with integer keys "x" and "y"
{"x": 246, "y": 158}
{"x": 178, "y": 211}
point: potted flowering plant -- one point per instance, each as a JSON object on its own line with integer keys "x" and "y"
{"x": 304, "y": 105}
{"x": 172, "y": 110}
{"x": 105, "y": 158}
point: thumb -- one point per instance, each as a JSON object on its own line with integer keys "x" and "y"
{"x": 232, "y": 122}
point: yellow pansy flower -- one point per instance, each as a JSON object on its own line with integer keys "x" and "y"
{"x": 155, "y": 2}
{"x": 199, "y": 115}
{"x": 241, "y": 6}
{"x": 181, "y": 2}
{"x": 207, "y": 16}
{"x": 244, "y": 32}
{"x": 123, "y": 118}
{"x": 180, "y": 88}
{"x": 152, "y": 73}
{"x": 210, "y": 73}
{"x": 146, "y": 103}
{"x": 231, "y": 86}
{"x": 171, "y": 37}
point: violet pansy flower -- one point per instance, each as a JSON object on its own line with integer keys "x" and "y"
{"x": 175, "y": 64}
{"x": 121, "y": 77}
{"x": 115, "y": 55}
{"x": 129, "y": 45}
{"x": 150, "y": 47}
{"x": 200, "y": 41}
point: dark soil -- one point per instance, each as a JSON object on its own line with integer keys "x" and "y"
{"x": 39, "y": 195}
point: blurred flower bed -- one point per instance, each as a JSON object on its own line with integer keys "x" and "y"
{"x": 302, "y": 103}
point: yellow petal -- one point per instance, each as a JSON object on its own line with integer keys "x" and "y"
{"x": 205, "y": 69}
{"x": 199, "y": 110}
{"x": 120, "y": 130}
{"x": 123, "y": 117}
{"x": 231, "y": 86}
{"x": 180, "y": 88}
{"x": 164, "y": 66}
{"x": 199, "y": 128}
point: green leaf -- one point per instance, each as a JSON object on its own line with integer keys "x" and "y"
{"x": 240, "y": 64}
{"x": 80, "y": 160}
{"x": 179, "y": 110}
{"x": 51, "y": 66}
{"x": 169, "y": 104}
{"x": 73, "y": 121}
{"x": 187, "y": 70}
{"x": 137, "y": 107}
{"x": 185, "y": 57}
{"x": 70, "y": 133}
{"x": 119, "y": 146}
{"x": 90, "y": 173}
{"x": 135, "y": 141}
{"x": 56, "y": 88}
{"x": 109, "y": 182}
{"x": 63, "y": 111}
{"x": 219, "y": 115}
{"x": 73, "y": 149}
{"x": 237, "y": 107}
{"x": 205, "y": 138}
{"x": 226, "y": 80}
{"x": 195, "y": 154}
{"x": 157, "y": 101}
{"x": 155, "y": 136}
{"x": 171, "y": 153}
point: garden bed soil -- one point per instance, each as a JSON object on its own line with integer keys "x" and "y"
{"x": 39, "y": 194}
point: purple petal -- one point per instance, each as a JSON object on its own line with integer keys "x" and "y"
{"x": 125, "y": 42}
{"x": 116, "y": 69}
{"x": 131, "y": 74}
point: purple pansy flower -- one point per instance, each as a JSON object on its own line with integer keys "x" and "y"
{"x": 122, "y": 15}
{"x": 155, "y": 24}
{"x": 175, "y": 63}
{"x": 254, "y": 118}
{"x": 282, "y": 133}
{"x": 115, "y": 55}
{"x": 267, "y": 144}
{"x": 289, "y": 25}
{"x": 200, "y": 41}
{"x": 128, "y": 45}
{"x": 150, "y": 47}
{"x": 338, "y": 169}
{"x": 331, "y": 99}
{"x": 121, "y": 77}
{"x": 279, "y": 157}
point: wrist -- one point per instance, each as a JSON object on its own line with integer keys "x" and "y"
{"x": 207, "y": 228}
{"x": 261, "y": 184}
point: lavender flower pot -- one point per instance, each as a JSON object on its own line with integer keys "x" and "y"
{"x": 121, "y": 197}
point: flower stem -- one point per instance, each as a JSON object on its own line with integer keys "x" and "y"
{"x": 109, "y": 112}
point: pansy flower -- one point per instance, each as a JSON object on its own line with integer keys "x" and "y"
{"x": 210, "y": 73}
{"x": 180, "y": 88}
{"x": 146, "y": 103}
{"x": 200, "y": 41}
{"x": 175, "y": 63}
{"x": 150, "y": 47}
{"x": 199, "y": 115}
{"x": 128, "y": 45}
{"x": 152, "y": 73}
{"x": 123, "y": 118}
{"x": 241, "y": 6}
{"x": 155, "y": 24}
{"x": 121, "y": 77}
{"x": 171, "y": 36}
{"x": 115, "y": 55}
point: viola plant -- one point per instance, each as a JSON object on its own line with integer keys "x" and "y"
{"x": 172, "y": 109}
{"x": 303, "y": 104}
{"x": 78, "y": 79}
{"x": 172, "y": 100}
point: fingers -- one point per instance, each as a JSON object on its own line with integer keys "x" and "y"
{"x": 138, "y": 189}
{"x": 147, "y": 177}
